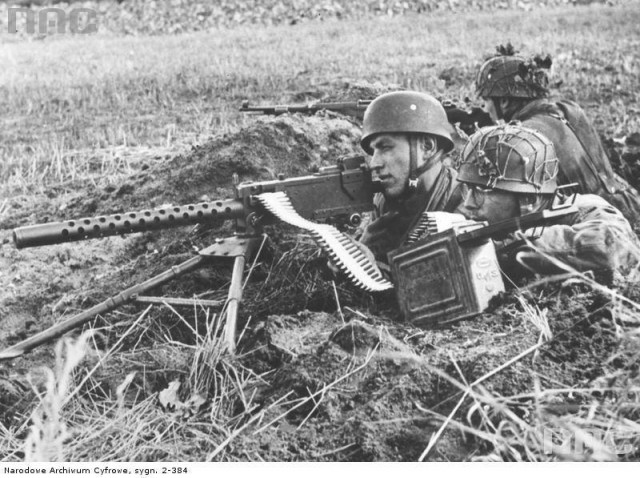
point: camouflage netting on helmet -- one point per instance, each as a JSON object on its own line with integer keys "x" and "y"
{"x": 510, "y": 158}
{"x": 511, "y": 75}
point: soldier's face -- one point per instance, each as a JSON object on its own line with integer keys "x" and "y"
{"x": 491, "y": 205}
{"x": 490, "y": 107}
{"x": 390, "y": 162}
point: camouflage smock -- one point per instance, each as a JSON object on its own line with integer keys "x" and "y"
{"x": 597, "y": 238}
{"x": 582, "y": 158}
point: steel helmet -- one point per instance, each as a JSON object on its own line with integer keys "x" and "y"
{"x": 510, "y": 158}
{"x": 406, "y": 112}
{"x": 513, "y": 76}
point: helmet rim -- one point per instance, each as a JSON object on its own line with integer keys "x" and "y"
{"x": 406, "y": 112}
{"x": 511, "y": 158}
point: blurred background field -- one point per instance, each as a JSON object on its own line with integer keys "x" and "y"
{"x": 146, "y": 111}
{"x": 63, "y": 96}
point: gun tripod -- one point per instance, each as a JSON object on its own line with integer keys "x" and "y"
{"x": 239, "y": 248}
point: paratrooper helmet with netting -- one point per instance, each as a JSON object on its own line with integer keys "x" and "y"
{"x": 512, "y": 76}
{"x": 511, "y": 158}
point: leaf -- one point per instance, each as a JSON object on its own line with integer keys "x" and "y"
{"x": 170, "y": 401}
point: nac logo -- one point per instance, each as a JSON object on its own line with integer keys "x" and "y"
{"x": 80, "y": 21}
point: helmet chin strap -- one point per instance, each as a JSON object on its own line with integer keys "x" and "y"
{"x": 414, "y": 171}
{"x": 413, "y": 163}
{"x": 498, "y": 108}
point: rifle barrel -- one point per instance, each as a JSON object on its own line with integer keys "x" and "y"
{"x": 547, "y": 217}
{"x": 139, "y": 221}
{"x": 305, "y": 108}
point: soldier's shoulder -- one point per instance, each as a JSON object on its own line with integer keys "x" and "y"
{"x": 591, "y": 206}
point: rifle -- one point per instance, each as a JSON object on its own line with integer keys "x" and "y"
{"x": 468, "y": 121}
{"x": 452, "y": 274}
{"x": 338, "y": 193}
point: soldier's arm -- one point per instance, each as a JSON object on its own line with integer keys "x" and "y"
{"x": 600, "y": 239}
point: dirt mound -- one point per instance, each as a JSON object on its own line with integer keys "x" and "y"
{"x": 292, "y": 145}
{"x": 360, "y": 387}
{"x": 335, "y": 374}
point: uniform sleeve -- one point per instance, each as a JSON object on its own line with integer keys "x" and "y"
{"x": 600, "y": 240}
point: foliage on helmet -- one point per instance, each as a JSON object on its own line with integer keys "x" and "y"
{"x": 510, "y": 75}
{"x": 511, "y": 158}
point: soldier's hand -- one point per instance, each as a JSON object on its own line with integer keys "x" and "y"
{"x": 379, "y": 229}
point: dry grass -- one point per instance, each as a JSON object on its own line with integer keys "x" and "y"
{"x": 65, "y": 96}
{"x": 598, "y": 422}
{"x": 70, "y": 423}
{"x": 84, "y": 111}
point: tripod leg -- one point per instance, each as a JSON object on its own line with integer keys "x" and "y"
{"x": 233, "y": 301}
{"x": 111, "y": 303}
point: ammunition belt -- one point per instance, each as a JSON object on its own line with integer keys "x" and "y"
{"x": 432, "y": 222}
{"x": 343, "y": 251}
{"x": 426, "y": 225}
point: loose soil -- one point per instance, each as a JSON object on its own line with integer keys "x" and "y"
{"x": 376, "y": 387}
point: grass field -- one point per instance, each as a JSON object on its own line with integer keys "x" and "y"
{"x": 67, "y": 97}
{"x": 77, "y": 110}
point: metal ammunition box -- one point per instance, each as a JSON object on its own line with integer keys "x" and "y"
{"x": 438, "y": 280}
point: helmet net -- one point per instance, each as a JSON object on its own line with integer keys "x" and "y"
{"x": 513, "y": 76}
{"x": 512, "y": 158}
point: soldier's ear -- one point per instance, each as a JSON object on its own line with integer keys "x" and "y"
{"x": 429, "y": 144}
{"x": 504, "y": 103}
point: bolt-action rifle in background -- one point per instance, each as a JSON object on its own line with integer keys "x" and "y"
{"x": 335, "y": 194}
{"x": 467, "y": 121}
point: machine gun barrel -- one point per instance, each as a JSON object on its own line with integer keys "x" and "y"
{"x": 343, "y": 190}
{"x": 139, "y": 221}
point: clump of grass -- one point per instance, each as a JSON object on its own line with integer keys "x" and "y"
{"x": 48, "y": 431}
{"x": 597, "y": 421}
{"x": 215, "y": 401}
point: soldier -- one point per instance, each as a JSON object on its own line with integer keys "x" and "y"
{"x": 407, "y": 135}
{"x": 515, "y": 89}
{"x": 509, "y": 170}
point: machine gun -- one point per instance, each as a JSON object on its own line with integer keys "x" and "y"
{"x": 338, "y": 193}
{"x": 468, "y": 121}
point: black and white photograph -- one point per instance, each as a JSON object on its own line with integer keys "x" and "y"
{"x": 318, "y": 232}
